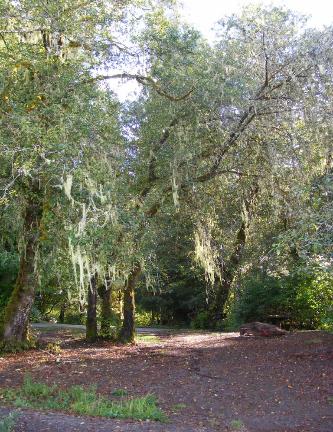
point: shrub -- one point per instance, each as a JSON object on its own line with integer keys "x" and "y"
{"x": 36, "y": 315}
{"x": 54, "y": 347}
{"x": 202, "y": 321}
{"x": 143, "y": 318}
{"x": 304, "y": 299}
{"x": 75, "y": 318}
{"x": 8, "y": 271}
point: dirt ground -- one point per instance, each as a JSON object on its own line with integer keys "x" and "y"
{"x": 203, "y": 381}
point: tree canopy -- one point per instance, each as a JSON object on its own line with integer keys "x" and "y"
{"x": 209, "y": 193}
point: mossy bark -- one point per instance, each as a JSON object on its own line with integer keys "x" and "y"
{"x": 229, "y": 269}
{"x": 223, "y": 289}
{"x": 91, "y": 323}
{"x": 62, "y": 314}
{"x": 127, "y": 332}
{"x": 104, "y": 292}
{"x": 16, "y": 316}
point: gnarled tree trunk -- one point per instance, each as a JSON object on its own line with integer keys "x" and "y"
{"x": 16, "y": 316}
{"x": 91, "y": 323}
{"x": 127, "y": 332}
{"x": 104, "y": 292}
{"x": 62, "y": 313}
{"x": 229, "y": 269}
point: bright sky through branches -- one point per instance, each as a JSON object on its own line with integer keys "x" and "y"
{"x": 204, "y": 13}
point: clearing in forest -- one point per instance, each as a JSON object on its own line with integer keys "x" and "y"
{"x": 200, "y": 381}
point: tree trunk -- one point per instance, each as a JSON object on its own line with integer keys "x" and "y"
{"x": 229, "y": 269}
{"x": 91, "y": 323}
{"x": 104, "y": 292}
{"x": 16, "y": 315}
{"x": 222, "y": 289}
{"x": 62, "y": 313}
{"x": 127, "y": 332}
{"x": 120, "y": 305}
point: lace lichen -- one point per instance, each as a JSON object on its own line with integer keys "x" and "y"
{"x": 205, "y": 253}
{"x": 67, "y": 185}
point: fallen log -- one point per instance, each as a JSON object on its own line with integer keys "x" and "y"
{"x": 261, "y": 329}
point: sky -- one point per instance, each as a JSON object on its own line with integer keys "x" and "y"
{"x": 204, "y": 13}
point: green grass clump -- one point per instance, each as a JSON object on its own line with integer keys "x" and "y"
{"x": 236, "y": 424}
{"x": 119, "y": 392}
{"x": 82, "y": 401}
{"x": 7, "y": 423}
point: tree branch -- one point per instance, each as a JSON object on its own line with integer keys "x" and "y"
{"x": 153, "y": 159}
{"x": 22, "y": 31}
{"x": 141, "y": 79}
{"x": 266, "y": 59}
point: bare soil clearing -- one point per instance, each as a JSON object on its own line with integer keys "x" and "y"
{"x": 203, "y": 381}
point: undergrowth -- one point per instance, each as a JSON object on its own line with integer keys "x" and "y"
{"x": 15, "y": 347}
{"x": 7, "y": 423}
{"x": 84, "y": 401}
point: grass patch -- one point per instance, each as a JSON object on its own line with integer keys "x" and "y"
{"x": 147, "y": 338}
{"x": 330, "y": 400}
{"x": 236, "y": 424}
{"x": 7, "y": 423}
{"x": 61, "y": 331}
{"x": 179, "y": 407}
{"x": 83, "y": 401}
{"x": 119, "y": 393}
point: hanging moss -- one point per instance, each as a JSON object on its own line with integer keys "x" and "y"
{"x": 205, "y": 254}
